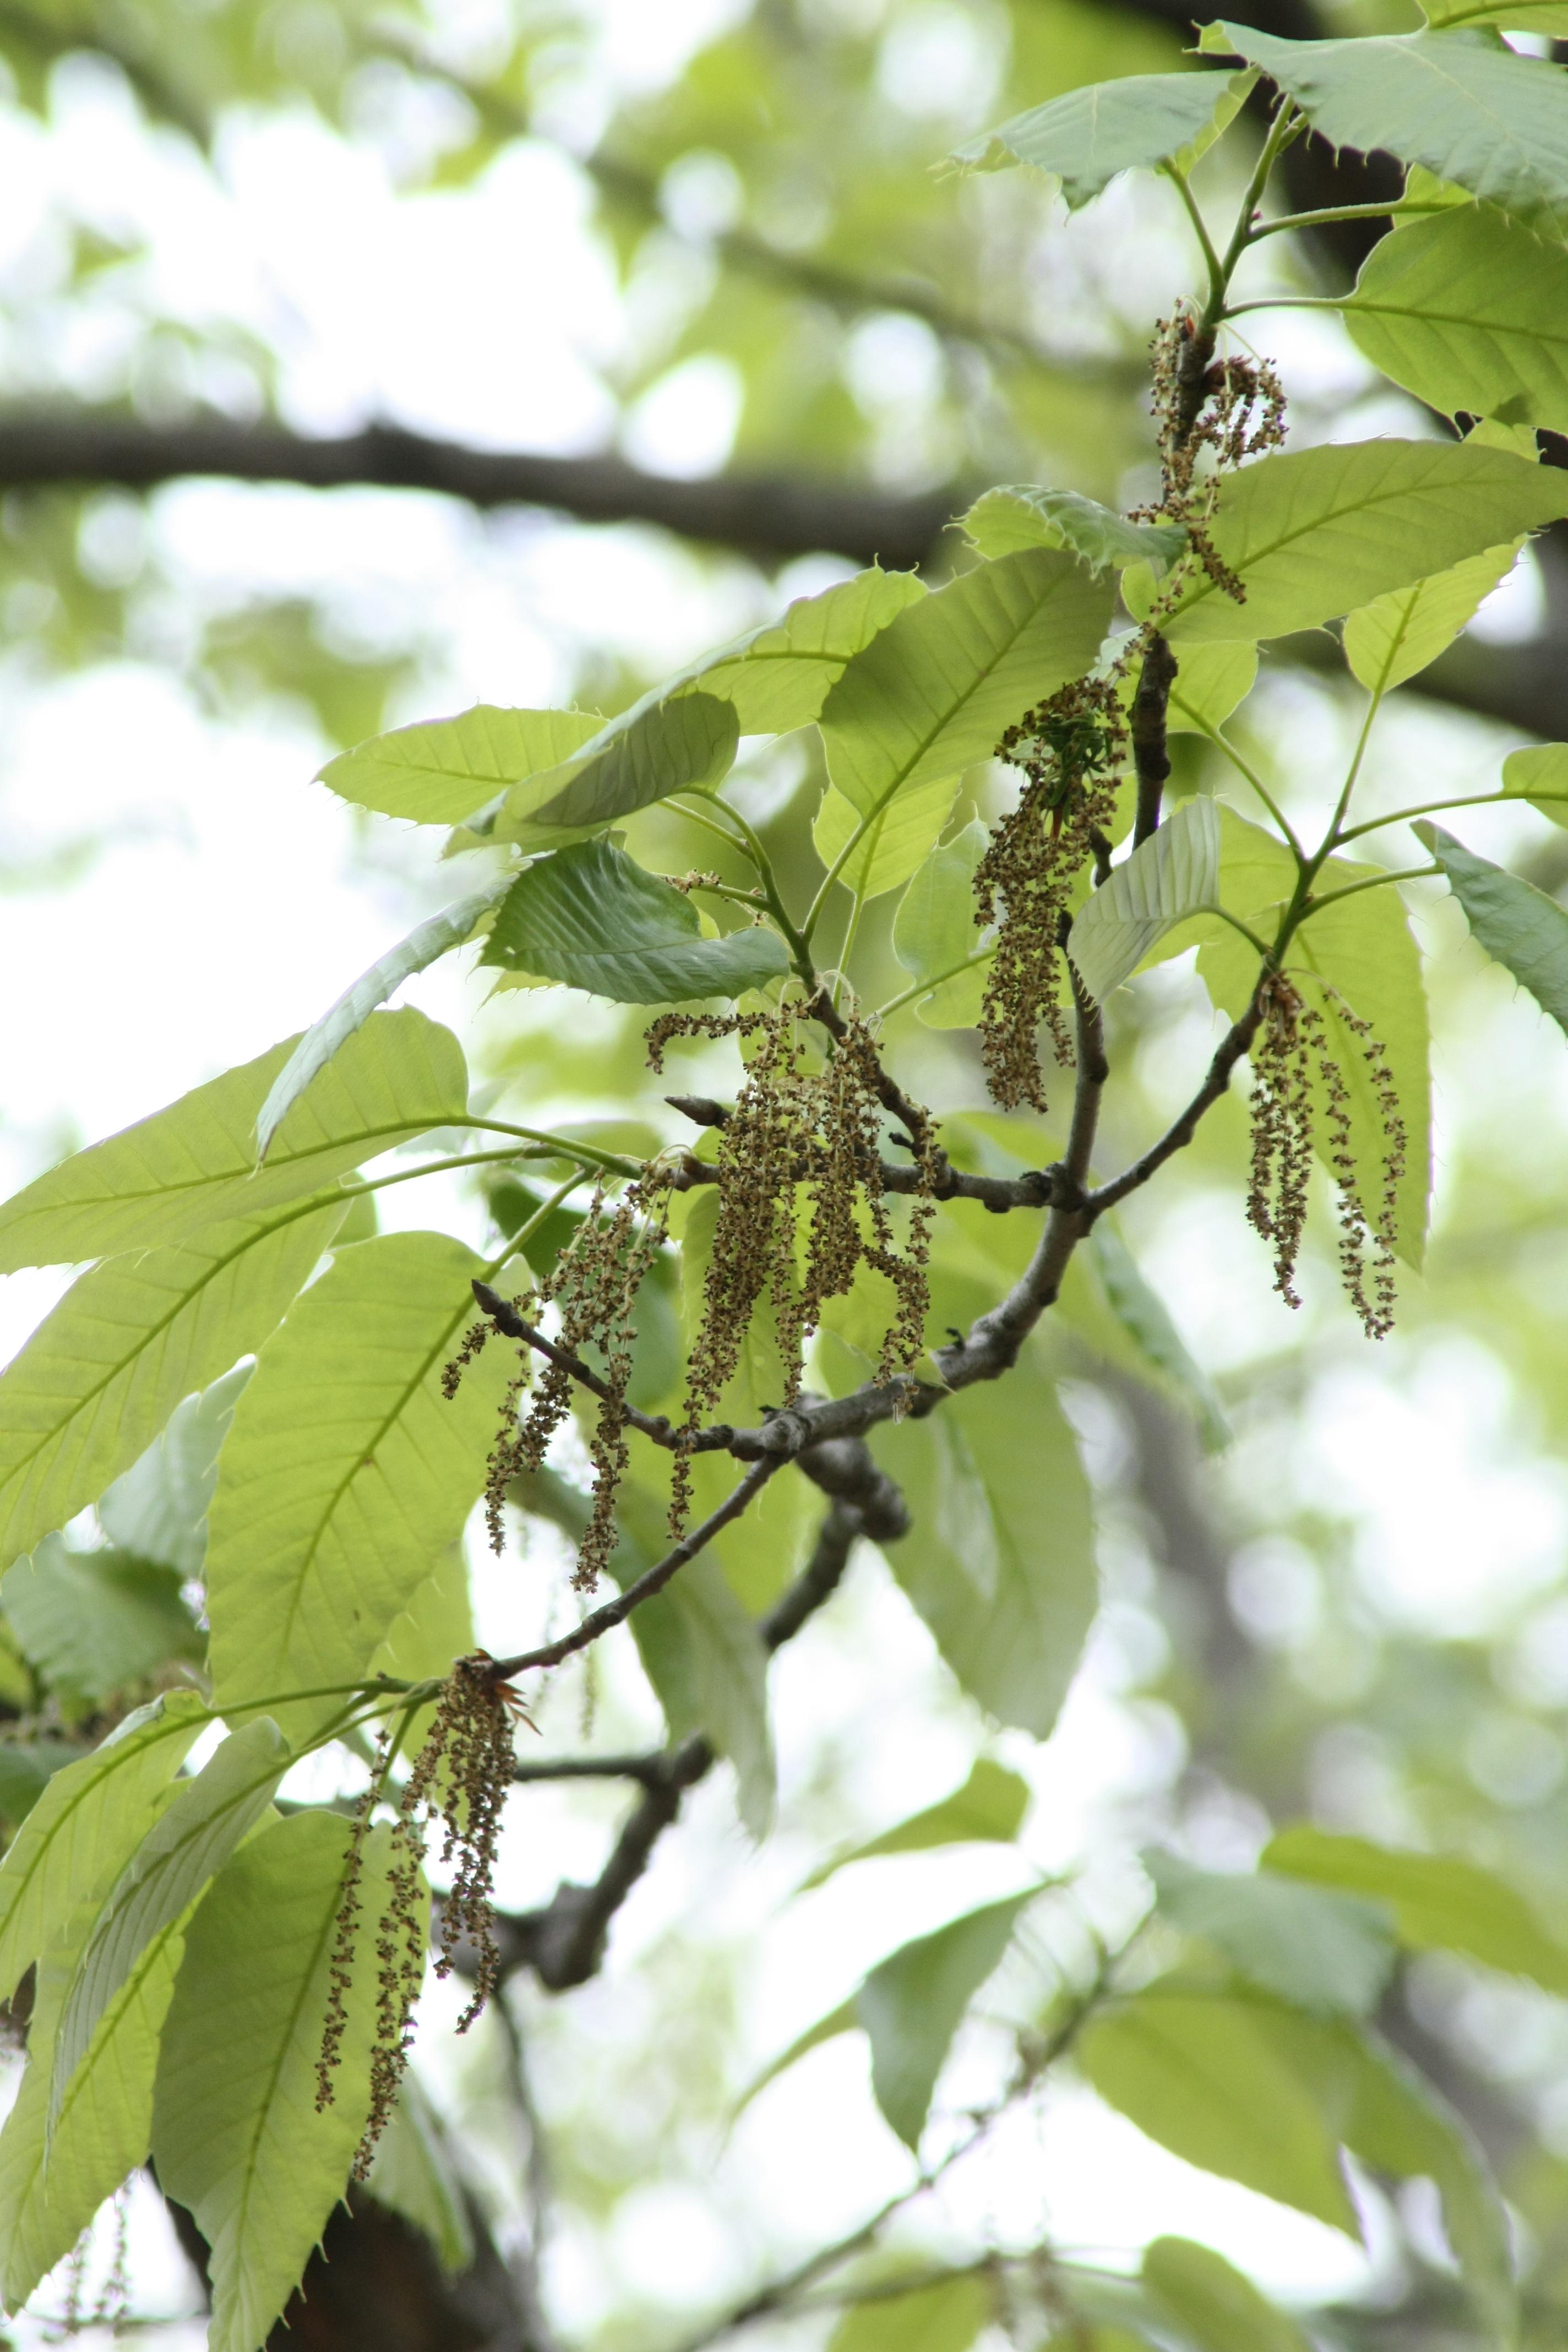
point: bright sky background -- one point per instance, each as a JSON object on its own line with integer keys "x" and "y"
{"x": 208, "y": 897}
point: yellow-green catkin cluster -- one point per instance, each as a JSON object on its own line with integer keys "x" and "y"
{"x": 460, "y": 1777}
{"x": 795, "y": 1131}
{"x": 1071, "y": 750}
{"x": 1292, "y": 1043}
{"x": 1233, "y": 409}
{"x": 593, "y": 1285}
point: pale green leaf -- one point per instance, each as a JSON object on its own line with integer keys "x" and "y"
{"x": 1319, "y": 1948}
{"x": 93, "y": 1623}
{"x": 446, "y": 768}
{"x": 1021, "y": 514}
{"x": 1171, "y": 875}
{"x": 1203, "y": 2077}
{"x": 1211, "y": 682}
{"x": 1438, "y": 1901}
{"x": 1214, "y": 2305}
{"x": 1519, "y": 926}
{"x": 912, "y": 2005}
{"x": 845, "y": 2018}
{"x": 1469, "y": 310}
{"x": 945, "y": 2316}
{"x": 1467, "y": 108}
{"x": 347, "y": 1471}
{"x": 1000, "y": 1559}
{"x": 987, "y": 1809}
{"x": 779, "y": 675}
{"x": 414, "y": 2174}
{"x": 52, "y": 2182}
{"x": 1389, "y": 641}
{"x": 86, "y": 1824}
{"x": 159, "y": 1508}
{"x": 935, "y": 935}
{"x": 1146, "y": 1319}
{"x": 1321, "y": 532}
{"x": 191, "y": 1838}
{"x": 319, "y": 1045}
{"x": 103, "y": 1372}
{"x": 1539, "y": 774}
{"x": 895, "y": 841}
{"x": 671, "y": 743}
{"x": 941, "y": 684}
{"x": 236, "y": 2134}
{"x": 591, "y": 917}
{"x": 1142, "y": 122}
{"x": 195, "y": 1162}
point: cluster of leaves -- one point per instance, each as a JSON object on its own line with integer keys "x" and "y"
{"x": 193, "y": 1944}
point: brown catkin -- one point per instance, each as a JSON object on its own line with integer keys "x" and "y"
{"x": 1070, "y": 750}
{"x": 1238, "y": 414}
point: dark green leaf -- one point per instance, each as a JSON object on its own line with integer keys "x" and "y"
{"x": 593, "y": 918}
{"x": 913, "y": 2003}
{"x": 679, "y": 743}
{"x": 1089, "y": 136}
{"x": 93, "y": 1623}
{"x": 27, "y": 1768}
{"x": 414, "y": 2174}
{"x": 1325, "y": 1950}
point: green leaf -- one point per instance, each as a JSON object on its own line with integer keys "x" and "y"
{"x": 779, "y": 675}
{"x": 946, "y": 2316}
{"x": 1389, "y": 641}
{"x": 236, "y": 2134}
{"x": 1438, "y": 1901}
{"x": 912, "y": 2005}
{"x": 191, "y": 1838}
{"x": 1171, "y": 875}
{"x": 446, "y": 768}
{"x": 684, "y": 742}
{"x": 895, "y": 841}
{"x": 320, "y": 1044}
{"x": 1141, "y": 123}
{"x": 1321, "y": 532}
{"x": 414, "y": 2174}
{"x": 1144, "y": 1317}
{"x": 84, "y": 1827}
{"x": 1318, "y": 1948}
{"x": 1539, "y": 774}
{"x": 1000, "y": 1559}
{"x": 988, "y": 1807}
{"x": 1021, "y": 514}
{"x": 1211, "y": 682}
{"x": 93, "y": 1623}
{"x": 1516, "y": 16}
{"x": 845, "y": 2018}
{"x": 1214, "y": 2305}
{"x": 104, "y": 1371}
{"x": 1469, "y": 109}
{"x": 1467, "y": 310}
{"x": 27, "y": 1768}
{"x": 1519, "y": 926}
{"x": 159, "y": 1508}
{"x": 347, "y": 1471}
{"x": 1202, "y": 2076}
{"x": 590, "y": 916}
{"x": 52, "y": 2181}
{"x": 941, "y": 683}
{"x": 195, "y": 1162}
{"x": 935, "y": 932}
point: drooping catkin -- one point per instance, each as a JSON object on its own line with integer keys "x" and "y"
{"x": 801, "y": 1149}
{"x": 1291, "y": 1045}
{"x": 1070, "y": 750}
{"x": 1235, "y": 410}
{"x": 461, "y": 1778}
